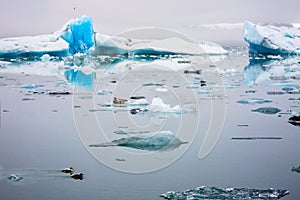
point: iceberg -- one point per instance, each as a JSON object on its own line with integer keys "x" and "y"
{"x": 78, "y": 36}
{"x": 106, "y": 45}
{"x": 161, "y": 141}
{"x": 270, "y": 39}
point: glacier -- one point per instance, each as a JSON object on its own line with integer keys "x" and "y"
{"x": 78, "y": 36}
{"x": 270, "y": 39}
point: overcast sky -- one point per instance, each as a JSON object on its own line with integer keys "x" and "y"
{"x": 32, "y": 17}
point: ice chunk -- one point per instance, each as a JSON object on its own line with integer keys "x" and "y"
{"x": 158, "y": 105}
{"x": 272, "y": 40}
{"x": 173, "y": 45}
{"x": 32, "y": 46}
{"x": 253, "y": 101}
{"x": 204, "y": 192}
{"x": 79, "y": 34}
{"x": 267, "y": 110}
{"x": 161, "y": 141}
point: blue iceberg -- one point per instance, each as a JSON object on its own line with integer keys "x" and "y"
{"x": 79, "y": 34}
{"x": 270, "y": 39}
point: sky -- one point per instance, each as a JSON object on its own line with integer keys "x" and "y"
{"x": 194, "y": 18}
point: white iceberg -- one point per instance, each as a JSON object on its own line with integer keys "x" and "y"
{"x": 270, "y": 39}
{"x": 159, "y": 46}
{"x": 158, "y": 105}
{"x": 78, "y": 36}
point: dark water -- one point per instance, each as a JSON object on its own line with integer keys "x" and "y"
{"x": 42, "y": 133}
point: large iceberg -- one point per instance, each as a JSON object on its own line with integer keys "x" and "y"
{"x": 270, "y": 39}
{"x": 78, "y": 36}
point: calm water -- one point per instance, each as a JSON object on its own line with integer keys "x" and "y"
{"x": 43, "y": 133}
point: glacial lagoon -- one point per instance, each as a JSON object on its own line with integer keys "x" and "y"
{"x": 52, "y": 115}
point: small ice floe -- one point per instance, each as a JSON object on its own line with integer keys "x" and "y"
{"x": 77, "y": 176}
{"x": 213, "y": 193}
{"x": 267, "y": 110}
{"x": 253, "y": 101}
{"x": 31, "y": 86}
{"x": 104, "y": 92}
{"x": 161, "y": 141}
{"x": 296, "y": 169}
{"x": 15, "y": 177}
{"x": 158, "y": 105}
{"x": 138, "y": 102}
{"x": 69, "y": 170}
{"x": 295, "y": 120}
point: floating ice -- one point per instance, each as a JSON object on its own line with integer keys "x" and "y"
{"x": 253, "y": 101}
{"x": 158, "y": 105}
{"x": 165, "y": 45}
{"x": 214, "y": 193}
{"x": 161, "y": 141}
{"x": 267, "y": 110}
{"x": 272, "y": 40}
{"x": 79, "y": 34}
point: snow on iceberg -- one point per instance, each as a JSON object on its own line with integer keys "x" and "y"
{"x": 270, "y": 39}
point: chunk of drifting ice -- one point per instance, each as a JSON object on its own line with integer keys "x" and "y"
{"x": 204, "y": 192}
{"x": 267, "y": 110}
{"x": 165, "y": 45}
{"x": 158, "y": 105}
{"x": 253, "y": 101}
{"x": 161, "y": 141}
{"x": 272, "y": 40}
{"x": 79, "y": 34}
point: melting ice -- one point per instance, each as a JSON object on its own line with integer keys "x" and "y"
{"x": 161, "y": 141}
{"x": 215, "y": 193}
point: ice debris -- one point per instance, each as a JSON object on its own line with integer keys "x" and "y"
{"x": 267, "y": 110}
{"x": 213, "y": 193}
{"x": 253, "y": 101}
{"x": 256, "y": 138}
{"x": 158, "y": 105}
{"x": 160, "y": 141}
{"x": 270, "y": 39}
